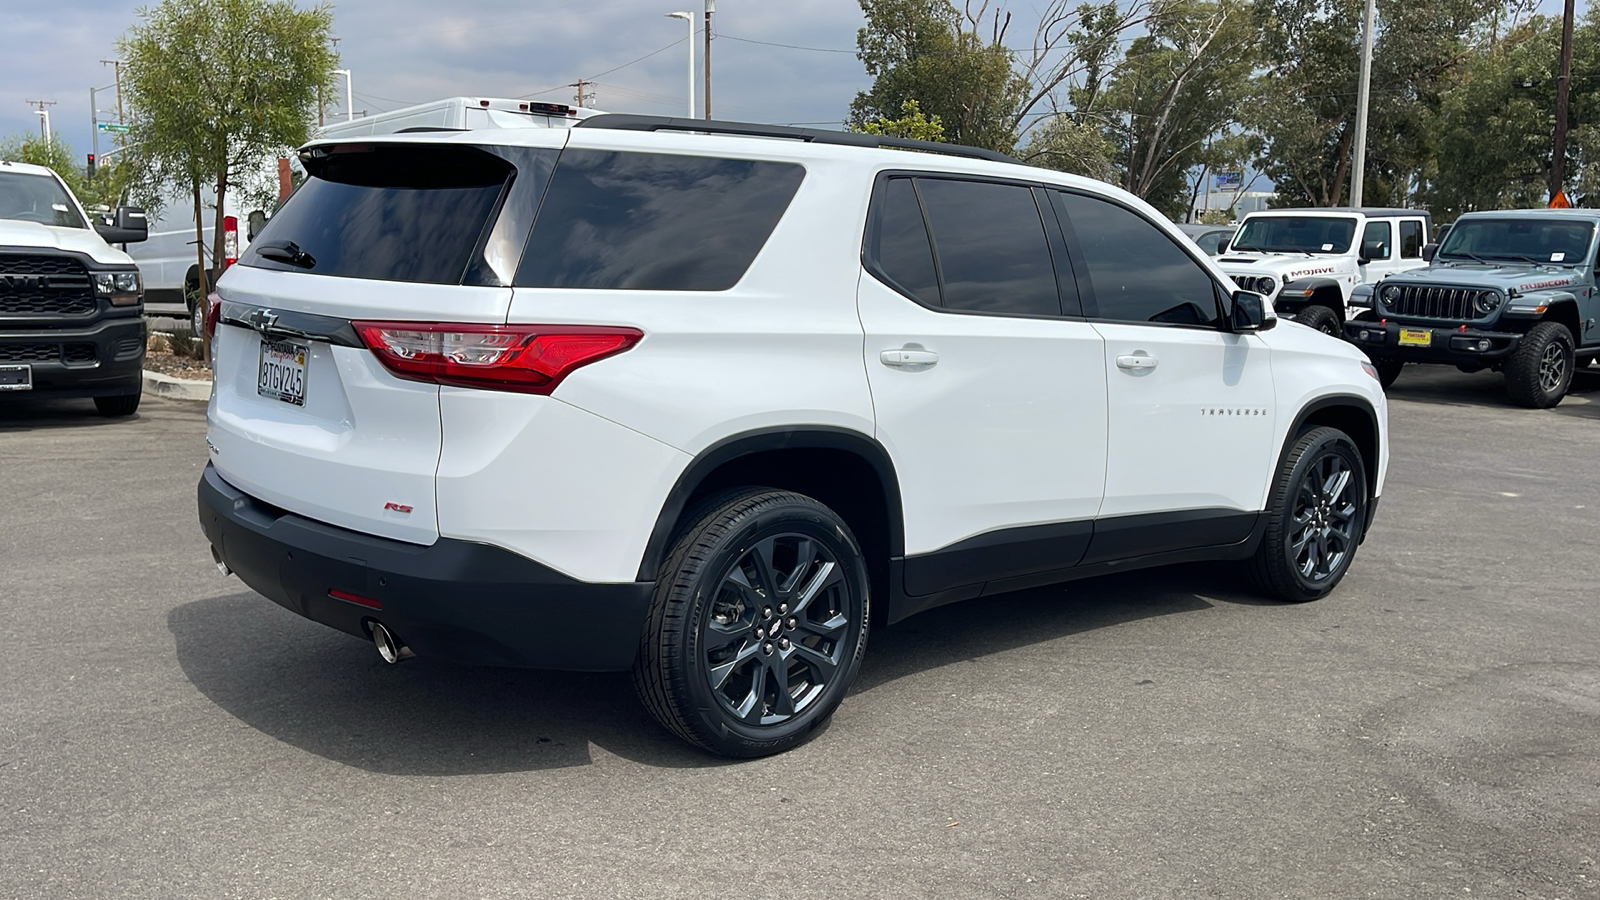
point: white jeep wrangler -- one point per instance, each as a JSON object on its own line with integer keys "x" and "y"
{"x": 1307, "y": 261}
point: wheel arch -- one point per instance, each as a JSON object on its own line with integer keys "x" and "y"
{"x": 1351, "y": 414}
{"x": 846, "y": 470}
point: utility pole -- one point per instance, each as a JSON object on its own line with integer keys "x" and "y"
{"x": 1558, "y": 158}
{"x": 94, "y": 124}
{"x": 116, "y": 67}
{"x": 579, "y": 85}
{"x": 711, "y": 7}
{"x": 1363, "y": 98}
{"x": 349, "y": 95}
{"x": 44, "y": 117}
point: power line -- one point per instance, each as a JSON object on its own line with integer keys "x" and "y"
{"x": 608, "y": 71}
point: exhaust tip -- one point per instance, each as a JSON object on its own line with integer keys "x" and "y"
{"x": 390, "y": 648}
{"x": 221, "y": 566}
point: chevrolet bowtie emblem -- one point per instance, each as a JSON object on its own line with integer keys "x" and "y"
{"x": 262, "y": 320}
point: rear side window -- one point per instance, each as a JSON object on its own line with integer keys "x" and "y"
{"x": 991, "y": 244}
{"x": 900, "y": 243}
{"x": 1138, "y": 273}
{"x": 654, "y": 222}
{"x": 1410, "y": 239}
{"x": 394, "y": 213}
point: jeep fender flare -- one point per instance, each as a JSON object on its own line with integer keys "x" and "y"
{"x": 1303, "y": 292}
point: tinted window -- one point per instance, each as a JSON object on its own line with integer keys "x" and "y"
{"x": 1211, "y": 242}
{"x": 654, "y": 222}
{"x": 37, "y": 198}
{"x": 1295, "y": 234}
{"x": 394, "y": 213}
{"x": 899, "y": 243}
{"x": 993, "y": 254}
{"x": 1383, "y": 234}
{"x": 1411, "y": 239}
{"x": 1525, "y": 239}
{"x": 1137, "y": 272}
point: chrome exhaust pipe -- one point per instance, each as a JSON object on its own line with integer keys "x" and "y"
{"x": 390, "y": 648}
{"x": 221, "y": 566}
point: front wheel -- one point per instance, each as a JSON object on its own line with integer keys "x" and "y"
{"x": 1388, "y": 371}
{"x": 757, "y": 626}
{"x": 1539, "y": 371}
{"x": 1321, "y": 318}
{"x": 1317, "y": 510}
{"x": 118, "y": 405}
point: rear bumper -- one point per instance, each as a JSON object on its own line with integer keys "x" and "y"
{"x": 454, "y": 600}
{"x": 101, "y": 359}
{"x": 1451, "y": 345}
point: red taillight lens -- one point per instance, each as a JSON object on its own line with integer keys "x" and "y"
{"x": 230, "y": 240}
{"x": 531, "y": 359}
{"x": 213, "y": 315}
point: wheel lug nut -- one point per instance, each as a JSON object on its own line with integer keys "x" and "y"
{"x": 783, "y": 608}
{"x": 766, "y": 612}
{"x": 766, "y": 648}
{"x": 784, "y": 644}
{"x": 792, "y": 623}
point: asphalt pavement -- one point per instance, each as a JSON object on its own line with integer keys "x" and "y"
{"x": 1430, "y": 730}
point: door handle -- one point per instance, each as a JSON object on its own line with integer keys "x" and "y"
{"x": 908, "y": 357}
{"x": 1136, "y": 362}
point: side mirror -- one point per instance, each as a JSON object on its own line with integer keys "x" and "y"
{"x": 1371, "y": 250}
{"x": 1429, "y": 251}
{"x": 127, "y": 226}
{"x": 1250, "y": 313}
{"x": 255, "y": 222}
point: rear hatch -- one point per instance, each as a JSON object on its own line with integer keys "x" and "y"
{"x": 303, "y": 415}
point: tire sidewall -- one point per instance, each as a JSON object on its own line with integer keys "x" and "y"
{"x": 1315, "y": 316}
{"x": 815, "y": 522}
{"x": 1540, "y": 344}
{"x": 1340, "y": 444}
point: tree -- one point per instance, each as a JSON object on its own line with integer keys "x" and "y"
{"x": 216, "y": 86}
{"x": 911, "y": 124}
{"x": 922, "y": 50}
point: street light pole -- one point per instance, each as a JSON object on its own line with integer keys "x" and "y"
{"x": 688, "y": 19}
{"x": 1363, "y": 98}
{"x": 1558, "y": 158}
{"x": 711, "y": 7}
{"x": 349, "y": 98}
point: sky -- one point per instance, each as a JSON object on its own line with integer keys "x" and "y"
{"x": 402, "y": 52}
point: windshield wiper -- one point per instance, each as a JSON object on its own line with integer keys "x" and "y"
{"x": 286, "y": 252}
{"x": 1473, "y": 256}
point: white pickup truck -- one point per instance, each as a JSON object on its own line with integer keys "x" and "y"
{"x": 1307, "y": 261}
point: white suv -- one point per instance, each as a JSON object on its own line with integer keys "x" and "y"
{"x": 705, "y": 405}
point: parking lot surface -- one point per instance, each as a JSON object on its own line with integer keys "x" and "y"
{"x": 1430, "y": 730}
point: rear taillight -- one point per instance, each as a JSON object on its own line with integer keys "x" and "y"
{"x": 230, "y": 240}
{"x": 531, "y": 359}
{"x": 213, "y": 315}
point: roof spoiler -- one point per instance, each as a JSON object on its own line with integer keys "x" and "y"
{"x": 625, "y": 122}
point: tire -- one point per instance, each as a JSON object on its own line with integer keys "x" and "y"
{"x": 1539, "y": 371}
{"x": 117, "y": 405}
{"x": 1388, "y": 371}
{"x": 197, "y": 318}
{"x": 762, "y": 587}
{"x": 1316, "y": 514}
{"x": 1321, "y": 318}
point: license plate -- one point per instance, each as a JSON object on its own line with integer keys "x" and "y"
{"x": 1415, "y": 337}
{"x": 16, "y": 378}
{"x": 282, "y": 375}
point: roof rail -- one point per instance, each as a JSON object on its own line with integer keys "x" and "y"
{"x": 627, "y": 122}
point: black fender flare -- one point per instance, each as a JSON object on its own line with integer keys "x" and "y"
{"x": 799, "y": 437}
{"x": 1300, "y": 292}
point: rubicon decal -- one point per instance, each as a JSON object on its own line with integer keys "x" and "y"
{"x": 1540, "y": 285}
{"x": 397, "y": 507}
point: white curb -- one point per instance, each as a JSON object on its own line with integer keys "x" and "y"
{"x": 160, "y": 385}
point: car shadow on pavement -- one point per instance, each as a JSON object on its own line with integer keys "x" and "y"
{"x": 328, "y": 693}
{"x": 1446, "y": 386}
{"x": 34, "y": 413}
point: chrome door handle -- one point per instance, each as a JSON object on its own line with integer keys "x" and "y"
{"x": 908, "y": 357}
{"x": 1136, "y": 362}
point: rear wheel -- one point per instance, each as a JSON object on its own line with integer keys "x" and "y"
{"x": 119, "y": 405}
{"x": 1316, "y": 514}
{"x": 758, "y": 624}
{"x": 1321, "y": 318}
{"x": 1539, "y": 371}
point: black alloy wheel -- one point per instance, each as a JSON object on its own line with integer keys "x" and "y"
{"x": 758, "y": 625}
{"x": 1539, "y": 372}
{"x": 1315, "y": 517}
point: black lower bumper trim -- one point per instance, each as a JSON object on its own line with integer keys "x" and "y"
{"x": 103, "y": 359}
{"x": 455, "y": 600}
{"x": 1450, "y": 345}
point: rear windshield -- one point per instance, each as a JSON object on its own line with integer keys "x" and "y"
{"x": 1554, "y": 240}
{"x": 654, "y": 222}
{"x": 1295, "y": 234}
{"x": 37, "y": 198}
{"x": 387, "y": 212}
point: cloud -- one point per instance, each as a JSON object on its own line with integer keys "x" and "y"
{"x": 412, "y": 51}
